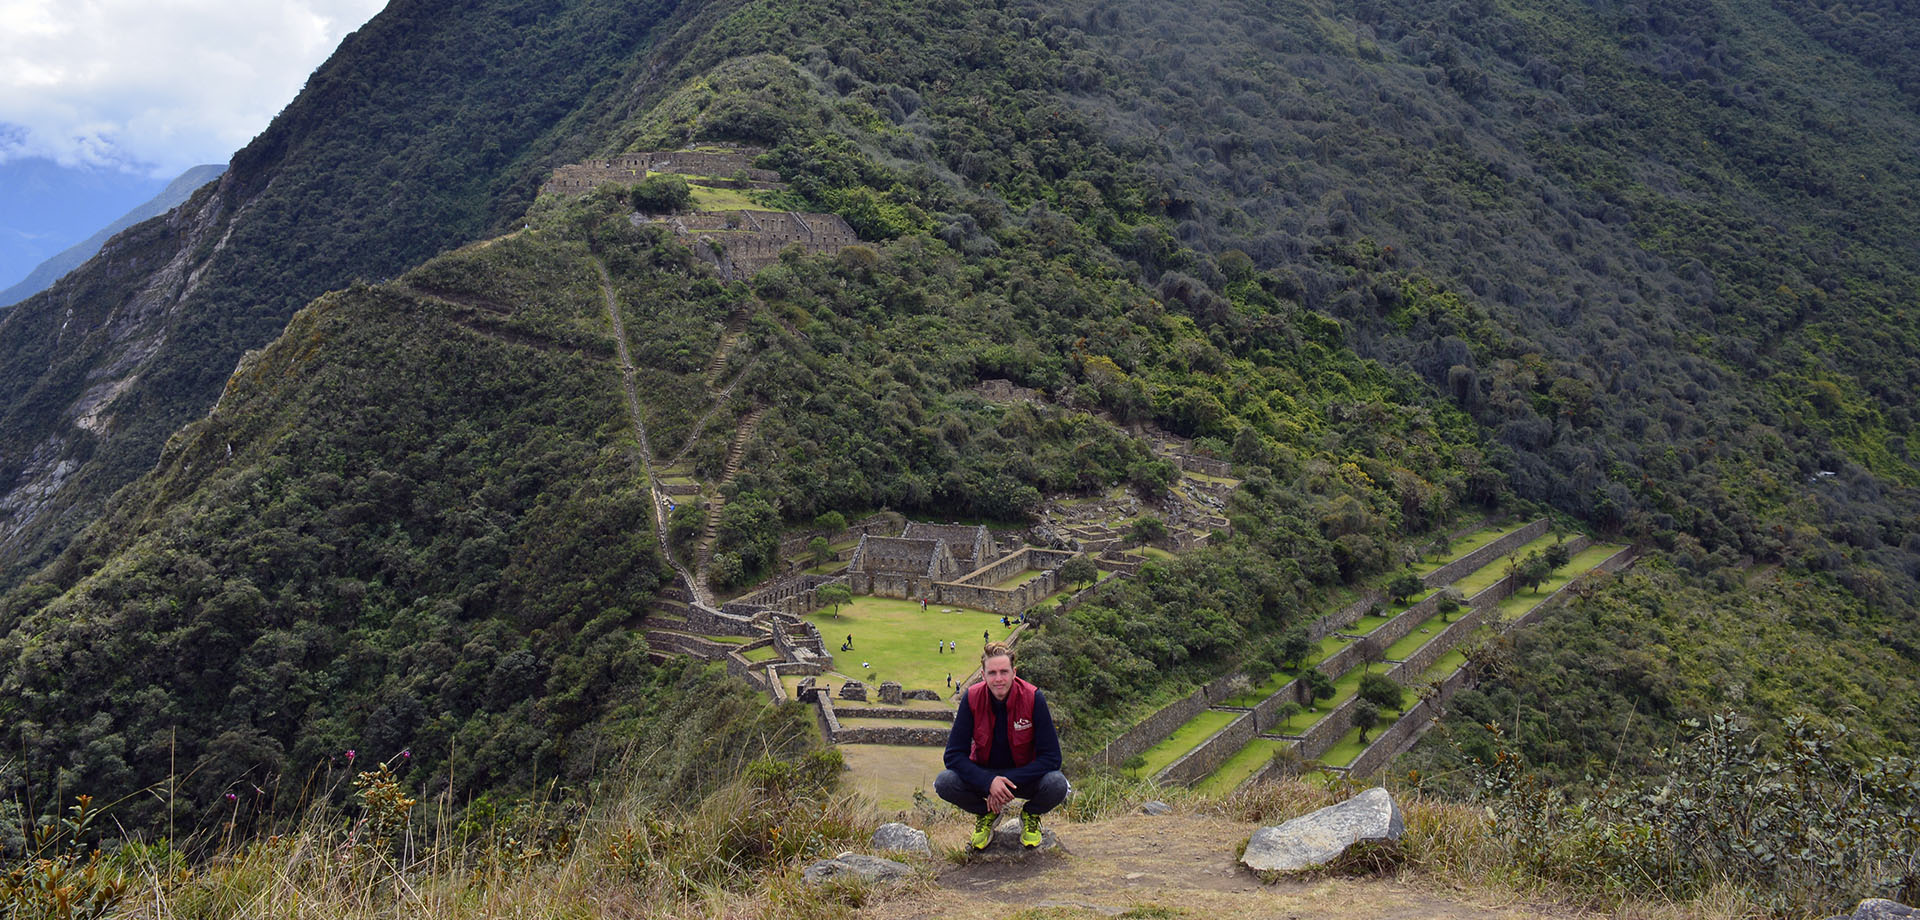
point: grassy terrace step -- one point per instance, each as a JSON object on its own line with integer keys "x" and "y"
{"x": 1581, "y": 563}
{"x": 1484, "y": 578}
{"x": 1184, "y": 739}
{"x": 1251, "y": 758}
{"x": 1020, "y": 579}
{"x": 763, "y": 653}
{"x": 1344, "y": 688}
{"x": 864, "y": 722}
{"x": 1420, "y": 635}
{"x": 1467, "y": 544}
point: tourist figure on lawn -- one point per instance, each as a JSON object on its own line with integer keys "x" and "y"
{"x": 1002, "y": 747}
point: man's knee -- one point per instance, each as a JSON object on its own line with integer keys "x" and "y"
{"x": 1051, "y": 790}
{"x": 951, "y": 788}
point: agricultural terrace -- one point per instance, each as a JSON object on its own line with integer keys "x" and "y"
{"x": 1465, "y": 545}
{"x": 897, "y": 639}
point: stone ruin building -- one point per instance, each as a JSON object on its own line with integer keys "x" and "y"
{"x": 737, "y": 243}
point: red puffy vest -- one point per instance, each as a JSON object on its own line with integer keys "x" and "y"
{"x": 1019, "y": 733}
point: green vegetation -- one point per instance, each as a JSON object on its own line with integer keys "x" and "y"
{"x": 1248, "y": 761}
{"x": 1184, "y": 739}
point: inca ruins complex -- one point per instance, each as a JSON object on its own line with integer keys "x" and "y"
{"x": 738, "y": 242}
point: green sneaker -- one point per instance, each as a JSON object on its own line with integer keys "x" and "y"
{"x": 982, "y": 831}
{"x": 1029, "y": 829}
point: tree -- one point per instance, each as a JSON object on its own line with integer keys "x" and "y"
{"x": 1146, "y": 529}
{"x": 1287, "y": 711}
{"x": 1294, "y": 647}
{"x": 1316, "y": 686}
{"x": 1532, "y": 571}
{"x": 1080, "y": 570}
{"x": 1372, "y": 651}
{"x": 833, "y": 596}
{"x": 832, "y": 521}
{"x": 661, "y": 194}
{"x": 1449, "y": 603}
{"x": 1558, "y": 555}
{"x": 822, "y": 550}
{"x": 1381, "y": 691}
{"x": 1404, "y": 585}
{"x": 1365, "y": 716}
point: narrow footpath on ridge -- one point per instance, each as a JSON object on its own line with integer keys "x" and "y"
{"x": 645, "y": 457}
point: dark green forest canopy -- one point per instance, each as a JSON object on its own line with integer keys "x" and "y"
{"x": 1400, "y": 266}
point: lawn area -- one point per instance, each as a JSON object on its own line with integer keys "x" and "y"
{"x": 1255, "y": 695}
{"x": 898, "y": 640}
{"x": 1367, "y": 624}
{"x": 1184, "y": 739}
{"x": 1152, "y": 552}
{"x": 1484, "y": 578}
{"x": 1468, "y": 544}
{"x": 1020, "y": 579}
{"x": 1448, "y": 663}
{"x": 891, "y": 773}
{"x": 1326, "y": 649}
{"x": 1413, "y": 640}
{"x": 1348, "y": 747}
{"x": 1581, "y": 563}
{"x": 707, "y": 198}
{"x": 763, "y": 653}
{"x": 1256, "y": 755}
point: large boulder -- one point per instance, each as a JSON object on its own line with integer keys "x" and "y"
{"x": 857, "y": 867}
{"x": 890, "y": 692}
{"x": 1880, "y": 909}
{"x": 899, "y": 838}
{"x": 1318, "y": 838}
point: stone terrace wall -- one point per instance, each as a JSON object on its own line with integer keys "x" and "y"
{"x": 1399, "y": 737}
{"x": 629, "y": 168}
{"x": 1326, "y": 732}
{"x": 893, "y": 734}
{"x": 1397, "y": 628}
{"x": 1344, "y": 617}
{"x": 943, "y": 716}
{"x": 688, "y": 645}
{"x": 1027, "y": 557}
{"x": 1480, "y": 558}
{"x": 1003, "y": 601}
{"x": 1155, "y": 728}
{"x": 739, "y": 666}
{"x": 705, "y": 619}
{"x": 1407, "y": 672}
{"x": 1211, "y": 753}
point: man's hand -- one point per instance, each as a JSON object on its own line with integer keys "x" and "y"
{"x": 1000, "y": 794}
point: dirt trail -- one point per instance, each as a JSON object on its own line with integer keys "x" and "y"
{"x": 1182, "y": 862}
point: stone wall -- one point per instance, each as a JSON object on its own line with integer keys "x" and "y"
{"x": 739, "y": 666}
{"x": 1155, "y": 728}
{"x": 1124, "y": 563}
{"x": 893, "y": 734}
{"x": 1324, "y": 733}
{"x": 680, "y": 643}
{"x": 1485, "y": 555}
{"x": 1397, "y": 628}
{"x": 630, "y": 168}
{"x": 970, "y": 545}
{"x": 1399, "y": 737}
{"x": 1344, "y": 617}
{"x": 943, "y": 716}
{"x": 1210, "y": 754}
{"x": 702, "y": 618}
{"x": 1408, "y": 672}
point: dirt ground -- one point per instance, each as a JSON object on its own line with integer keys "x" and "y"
{"x": 1183, "y": 865}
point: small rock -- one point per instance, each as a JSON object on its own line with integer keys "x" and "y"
{"x": 1007, "y": 837}
{"x": 856, "y": 867}
{"x": 1316, "y": 839}
{"x": 900, "y": 838}
{"x": 1156, "y": 809}
{"x": 890, "y": 692}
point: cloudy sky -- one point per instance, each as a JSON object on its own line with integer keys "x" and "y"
{"x": 155, "y": 86}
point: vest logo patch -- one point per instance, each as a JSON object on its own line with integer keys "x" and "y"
{"x": 1023, "y": 725}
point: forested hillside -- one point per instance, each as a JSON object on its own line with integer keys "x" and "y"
{"x": 1403, "y": 266}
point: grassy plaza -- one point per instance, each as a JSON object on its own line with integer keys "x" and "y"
{"x": 897, "y": 640}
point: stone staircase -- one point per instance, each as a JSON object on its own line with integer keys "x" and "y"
{"x": 736, "y": 453}
{"x": 736, "y": 327}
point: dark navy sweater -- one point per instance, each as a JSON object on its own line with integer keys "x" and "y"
{"x": 1046, "y": 747}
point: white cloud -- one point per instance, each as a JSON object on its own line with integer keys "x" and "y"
{"x": 156, "y": 86}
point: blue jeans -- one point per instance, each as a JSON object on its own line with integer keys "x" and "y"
{"x": 1041, "y": 797}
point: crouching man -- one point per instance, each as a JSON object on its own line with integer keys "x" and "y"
{"x": 1003, "y": 747}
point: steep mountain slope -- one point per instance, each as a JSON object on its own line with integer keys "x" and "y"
{"x": 414, "y": 520}
{"x": 46, "y": 273}
{"x": 432, "y": 124}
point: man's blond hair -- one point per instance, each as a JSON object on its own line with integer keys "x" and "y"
{"x": 994, "y": 650}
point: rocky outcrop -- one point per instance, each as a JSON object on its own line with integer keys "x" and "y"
{"x": 899, "y": 838}
{"x": 1320, "y": 837}
{"x": 1879, "y": 909}
{"x": 857, "y": 867}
